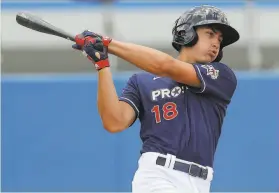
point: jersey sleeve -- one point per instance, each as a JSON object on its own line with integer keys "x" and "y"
{"x": 216, "y": 79}
{"x": 130, "y": 94}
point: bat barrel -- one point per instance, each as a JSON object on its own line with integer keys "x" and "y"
{"x": 38, "y": 24}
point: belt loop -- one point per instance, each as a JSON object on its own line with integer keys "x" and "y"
{"x": 168, "y": 160}
{"x": 209, "y": 173}
{"x": 172, "y": 161}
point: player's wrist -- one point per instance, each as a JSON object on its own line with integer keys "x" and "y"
{"x": 106, "y": 40}
{"x": 103, "y": 71}
{"x": 102, "y": 64}
{"x": 113, "y": 47}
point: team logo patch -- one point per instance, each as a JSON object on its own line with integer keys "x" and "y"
{"x": 211, "y": 71}
{"x": 176, "y": 91}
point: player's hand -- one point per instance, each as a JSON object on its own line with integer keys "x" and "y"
{"x": 94, "y": 47}
{"x": 79, "y": 38}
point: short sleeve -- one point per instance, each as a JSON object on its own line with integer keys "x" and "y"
{"x": 130, "y": 94}
{"x": 216, "y": 79}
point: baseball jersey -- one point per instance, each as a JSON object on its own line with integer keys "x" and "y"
{"x": 179, "y": 119}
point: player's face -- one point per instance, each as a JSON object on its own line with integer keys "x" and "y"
{"x": 207, "y": 48}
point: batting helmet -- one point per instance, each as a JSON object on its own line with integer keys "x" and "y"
{"x": 184, "y": 33}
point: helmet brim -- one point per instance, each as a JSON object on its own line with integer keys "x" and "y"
{"x": 230, "y": 34}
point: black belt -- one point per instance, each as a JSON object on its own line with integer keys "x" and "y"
{"x": 190, "y": 169}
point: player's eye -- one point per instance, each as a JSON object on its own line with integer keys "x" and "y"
{"x": 210, "y": 33}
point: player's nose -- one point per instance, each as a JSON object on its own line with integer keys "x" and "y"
{"x": 216, "y": 45}
{"x": 217, "y": 40}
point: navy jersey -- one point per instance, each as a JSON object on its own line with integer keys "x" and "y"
{"x": 179, "y": 119}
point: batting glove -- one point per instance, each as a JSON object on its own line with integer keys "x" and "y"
{"x": 94, "y": 47}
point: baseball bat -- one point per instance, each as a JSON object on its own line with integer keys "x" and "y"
{"x": 38, "y": 24}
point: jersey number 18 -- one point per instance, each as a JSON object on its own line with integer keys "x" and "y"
{"x": 169, "y": 111}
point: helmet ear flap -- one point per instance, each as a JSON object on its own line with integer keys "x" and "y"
{"x": 185, "y": 38}
{"x": 191, "y": 37}
{"x": 177, "y": 42}
{"x": 176, "y": 46}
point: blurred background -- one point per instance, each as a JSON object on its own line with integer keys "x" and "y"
{"x": 52, "y": 136}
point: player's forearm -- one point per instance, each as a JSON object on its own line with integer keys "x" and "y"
{"x": 145, "y": 58}
{"x": 108, "y": 103}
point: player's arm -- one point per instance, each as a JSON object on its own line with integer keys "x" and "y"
{"x": 156, "y": 62}
{"x": 116, "y": 115}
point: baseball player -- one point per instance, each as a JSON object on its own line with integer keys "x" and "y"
{"x": 180, "y": 102}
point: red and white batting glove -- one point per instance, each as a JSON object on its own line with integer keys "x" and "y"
{"x": 94, "y": 47}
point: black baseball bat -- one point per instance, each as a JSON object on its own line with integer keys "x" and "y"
{"x": 38, "y": 24}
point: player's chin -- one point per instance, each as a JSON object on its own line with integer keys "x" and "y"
{"x": 206, "y": 59}
{"x": 210, "y": 58}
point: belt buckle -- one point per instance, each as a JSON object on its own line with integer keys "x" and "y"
{"x": 195, "y": 168}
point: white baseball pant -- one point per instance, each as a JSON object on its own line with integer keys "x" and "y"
{"x": 150, "y": 177}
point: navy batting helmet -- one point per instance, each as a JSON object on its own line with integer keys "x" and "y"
{"x": 184, "y": 33}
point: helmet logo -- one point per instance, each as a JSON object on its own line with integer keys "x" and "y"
{"x": 215, "y": 15}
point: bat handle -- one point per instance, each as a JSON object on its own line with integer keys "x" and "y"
{"x": 71, "y": 37}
